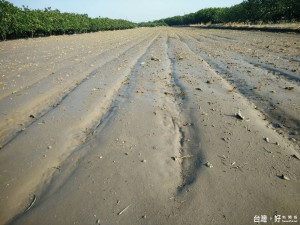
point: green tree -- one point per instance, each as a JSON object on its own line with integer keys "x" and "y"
{"x": 9, "y": 17}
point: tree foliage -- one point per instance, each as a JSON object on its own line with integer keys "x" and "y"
{"x": 152, "y": 24}
{"x": 22, "y": 22}
{"x": 249, "y": 11}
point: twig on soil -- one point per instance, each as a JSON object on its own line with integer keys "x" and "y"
{"x": 181, "y": 157}
{"x": 267, "y": 150}
{"x": 239, "y": 115}
{"x": 31, "y": 204}
{"x": 123, "y": 210}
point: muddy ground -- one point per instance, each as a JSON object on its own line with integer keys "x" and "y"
{"x": 150, "y": 126}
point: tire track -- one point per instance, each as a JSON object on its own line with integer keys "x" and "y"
{"x": 71, "y": 61}
{"x": 290, "y": 124}
{"x": 119, "y": 95}
{"x": 213, "y": 93}
{"x": 190, "y": 139}
{"x": 53, "y": 104}
{"x": 72, "y": 58}
{"x": 71, "y": 172}
{"x": 117, "y": 99}
{"x": 247, "y": 46}
{"x": 250, "y": 63}
{"x": 71, "y": 145}
{"x": 139, "y": 133}
{"x": 237, "y": 54}
{"x": 69, "y": 47}
{"x": 283, "y": 73}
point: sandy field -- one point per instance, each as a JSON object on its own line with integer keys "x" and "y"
{"x": 284, "y": 27}
{"x": 150, "y": 126}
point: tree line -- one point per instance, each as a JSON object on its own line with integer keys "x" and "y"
{"x": 22, "y": 22}
{"x": 249, "y": 11}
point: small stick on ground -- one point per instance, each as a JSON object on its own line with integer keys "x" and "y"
{"x": 185, "y": 156}
{"x": 181, "y": 157}
{"x": 123, "y": 210}
{"x": 267, "y": 150}
{"x": 31, "y": 204}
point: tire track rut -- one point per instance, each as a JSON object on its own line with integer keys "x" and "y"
{"x": 65, "y": 62}
{"x": 244, "y": 84}
{"x": 52, "y": 104}
{"x": 65, "y": 143}
{"x": 140, "y": 132}
{"x": 126, "y": 93}
{"x": 190, "y": 140}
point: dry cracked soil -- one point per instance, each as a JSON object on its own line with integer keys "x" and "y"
{"x": 150, "y": 126}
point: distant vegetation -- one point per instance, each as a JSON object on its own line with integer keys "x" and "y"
{"x": 249, "y": 11}
{"x": 22, "y": 22}
{"x": 153, "y": 24}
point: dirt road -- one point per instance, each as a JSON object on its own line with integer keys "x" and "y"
{"x": 150, "y": 126}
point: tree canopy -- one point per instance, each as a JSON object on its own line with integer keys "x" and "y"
{"x": 249, "y": 11}
{"x": 23, "y": 22}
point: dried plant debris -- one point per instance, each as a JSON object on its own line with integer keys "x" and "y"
{"x": 181, "y": 157}
{"x": 284, "y": 177}
{"x": 155, "y": 59}
{"x": 181, "y": 94}
{"x": 31, "y": 203}
{"x": 296, "y": 156}
{"x": 209, "y": 165}
{"x": 239, "y": 116}
{"x": 169, "y": 94}
{"x": 289, "y": 88}
{"x": 233, "y": 89}
{"x": 123, "y": 210}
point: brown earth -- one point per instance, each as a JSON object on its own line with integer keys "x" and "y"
{"x": 278, "y": 27}
{"x": 150, "y": 126}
